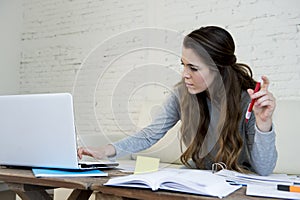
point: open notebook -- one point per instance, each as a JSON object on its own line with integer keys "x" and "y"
{"x": 194, "y": 181}
{"x": 38, "y": 130}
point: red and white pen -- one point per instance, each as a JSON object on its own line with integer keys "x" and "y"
{"x": 251, "y": 104}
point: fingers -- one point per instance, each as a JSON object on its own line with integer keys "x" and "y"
{"x": 263, "y": 97}
{"x": 263, "y": 90}
{"x": 250, "y": 92}
{"x": 80, "y": 152}
{"x": 83, "y": 151}
{"x": 265, "y": 84}
{"x": 266, "y": 100}
{"x": 258, "y": 94}
{"x": 95, "y": 152}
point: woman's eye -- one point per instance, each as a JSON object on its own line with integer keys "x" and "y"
{"x": 193, "y": 68}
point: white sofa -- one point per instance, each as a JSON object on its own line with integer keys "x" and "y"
{"x": 287, "y": 125}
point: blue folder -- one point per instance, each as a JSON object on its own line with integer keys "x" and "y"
{"x": 45, "y": 172}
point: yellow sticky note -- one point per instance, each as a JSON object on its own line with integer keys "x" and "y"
{"x": 146, "y": 164}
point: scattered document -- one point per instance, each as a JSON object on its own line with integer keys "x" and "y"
{"x": 43, "y": 172}
{"x": 246, "y": 179}
{"x": 202, "y": 182}
{"x": 263, "y": 186}
{"x": 146, "y": 164}
{"x": 127, "y": 168}
{"x": 270, "y": 191}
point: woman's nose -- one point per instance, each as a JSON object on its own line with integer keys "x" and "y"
{"x": 186, "y": 73}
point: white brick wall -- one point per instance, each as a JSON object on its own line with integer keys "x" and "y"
{"x": 10, "y": 23}
{"x": 91, "y": 48}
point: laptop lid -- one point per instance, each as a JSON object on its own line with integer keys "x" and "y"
{"x": 38, "y": 130}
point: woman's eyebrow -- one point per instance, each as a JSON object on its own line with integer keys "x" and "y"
{"x": 190, "y": 64}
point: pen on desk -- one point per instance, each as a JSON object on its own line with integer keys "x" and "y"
{"x": 288, "y": 188}
{"x": 235, "y": 183}
{"x": 250, "y": 107}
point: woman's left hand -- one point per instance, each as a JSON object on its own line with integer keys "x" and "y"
{"x": 264, "y": 105}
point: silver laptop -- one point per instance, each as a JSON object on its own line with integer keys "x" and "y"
{"x": 38, "y": 130}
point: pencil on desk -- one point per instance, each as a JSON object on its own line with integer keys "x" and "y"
{"x": 288, "y": 188}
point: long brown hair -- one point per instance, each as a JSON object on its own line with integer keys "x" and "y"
{"x": 202, "y": 122}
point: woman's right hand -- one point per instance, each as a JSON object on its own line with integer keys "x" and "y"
{"x": 97, "y": 152}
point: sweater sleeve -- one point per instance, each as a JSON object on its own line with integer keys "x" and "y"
{"x": 264, "y": 153}
{"x": 261, "y": 145}
{"x": 148, "y": 136}
{"x": 262, "y": 148}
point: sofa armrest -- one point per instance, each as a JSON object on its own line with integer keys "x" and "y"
{"x": 287, "y": 127}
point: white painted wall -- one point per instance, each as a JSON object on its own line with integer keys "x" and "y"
{"x": 10, "y": 45}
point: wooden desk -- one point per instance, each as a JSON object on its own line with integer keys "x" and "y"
{"x": 28, "y": 187}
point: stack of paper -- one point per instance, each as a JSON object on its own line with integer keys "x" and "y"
{"x": 246, "y": 179}
{"x": 264, "y": 186}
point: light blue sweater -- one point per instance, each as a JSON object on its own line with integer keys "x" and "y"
{"x": 258, "y": 153}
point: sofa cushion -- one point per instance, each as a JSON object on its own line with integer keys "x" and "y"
{"x": 287, "y": 126}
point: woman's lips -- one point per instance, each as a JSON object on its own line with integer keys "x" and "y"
{"x": 189, "y": 85}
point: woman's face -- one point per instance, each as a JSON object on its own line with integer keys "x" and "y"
{"x": 196, "y": 74}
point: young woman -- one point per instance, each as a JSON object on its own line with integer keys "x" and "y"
{"x": 211, "y": 101}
